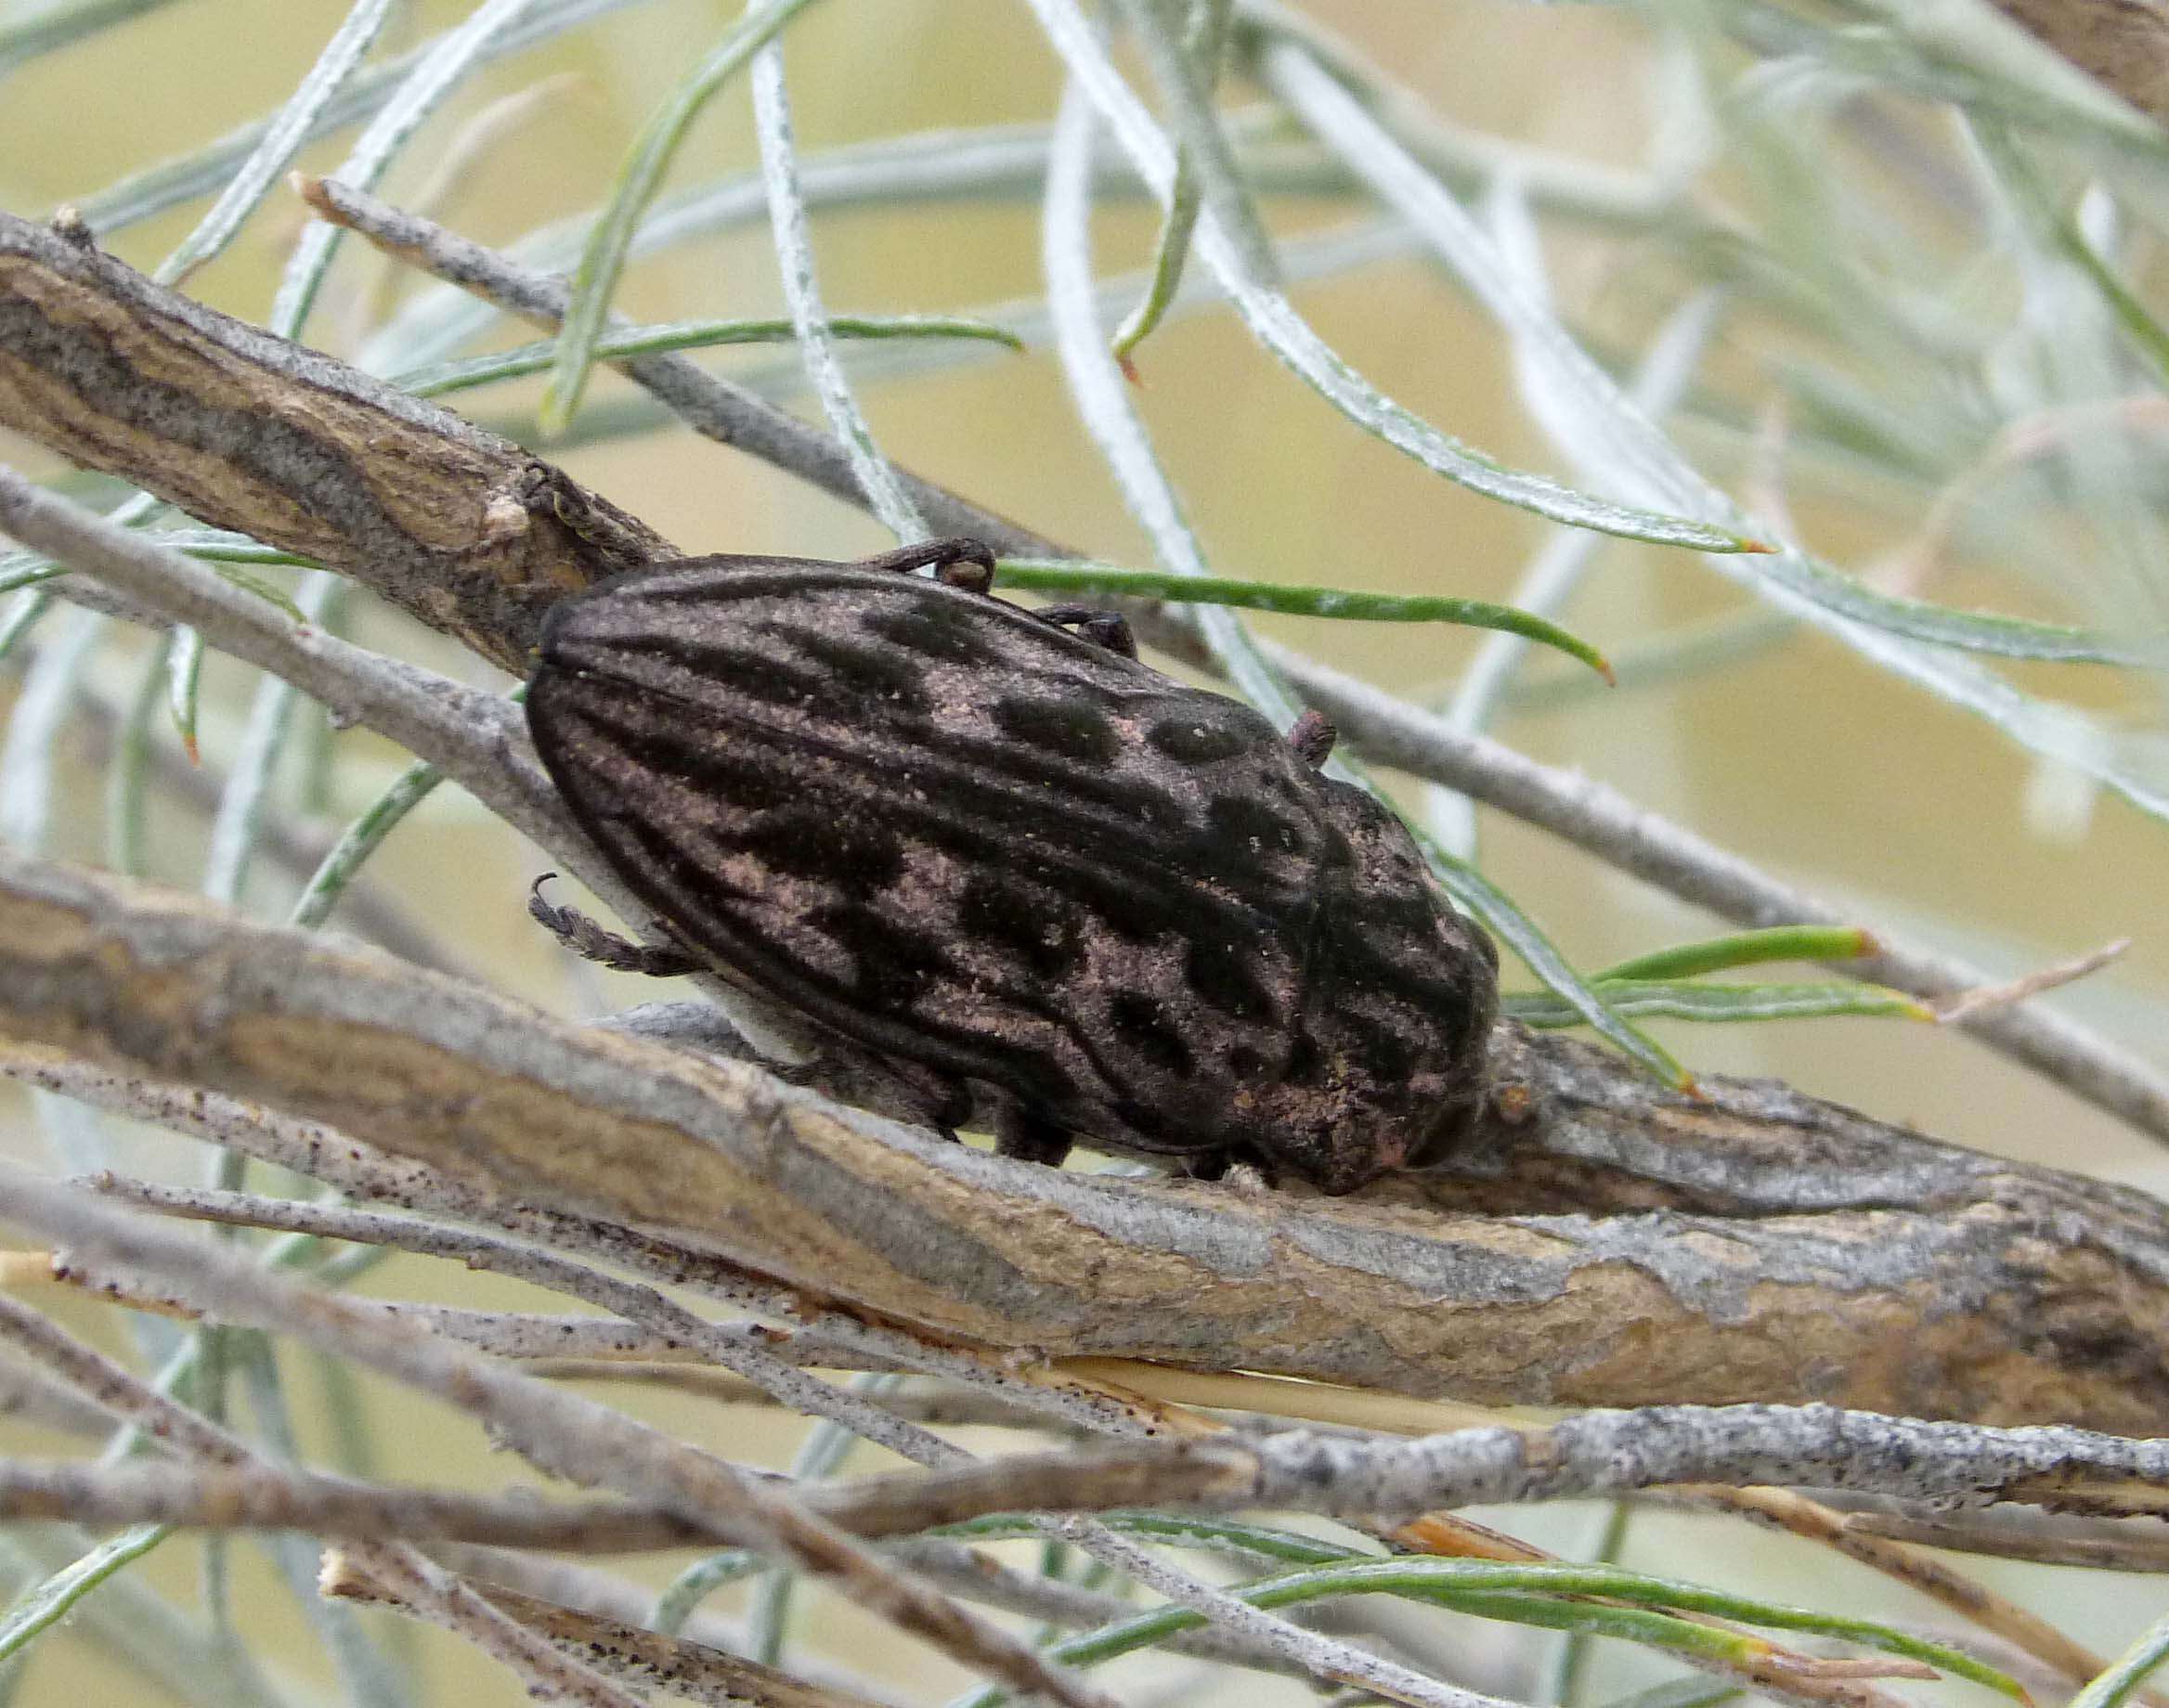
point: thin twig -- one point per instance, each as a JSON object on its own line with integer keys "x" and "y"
{"x": 427, "y": 1591}
{"x": 625, "y": 1650}
{"x": 162, "y": 1420}
{"x": 584, "y": 1441}
{"x": 486, "y": 1251}
{"x": 1323, "y": 1657}
{"x": 2049, "y": 1539}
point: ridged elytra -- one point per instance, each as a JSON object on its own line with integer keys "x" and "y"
{"x": 1033, "y": 875}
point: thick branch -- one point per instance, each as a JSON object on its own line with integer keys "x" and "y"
{"x": 1620, "y": 1247}
{"x": 248, "y": 431}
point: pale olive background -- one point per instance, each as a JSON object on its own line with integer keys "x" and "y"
{"x": 1806, "y": 760}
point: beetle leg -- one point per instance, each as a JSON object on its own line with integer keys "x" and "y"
{"x": 960, "y": 562}
{"x": 1101, "y": 627}
{"x": 1313, "y": 735}
{"x": 590, "y": 940}
{"x": 1030, "y": 1138}
{"x": 1216, "y": 1164}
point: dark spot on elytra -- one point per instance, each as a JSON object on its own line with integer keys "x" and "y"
{"x": 1223, "y": 977}
{"x": 894, "y": 964}
{"x": 1245, "y": 1063}
{"x": 1023, "y": 921}
{"x": 934, "y": 629}
{"x": 1201, "y": 738}
{"x": 853, "y": 854}
{"x": 1386, "y": 1055}
{"x": 1067, "y": 728}
{"x": 873, "y": 672}
{"x": 1142, "y": 1021}
{"x": 749, "y": 787}
{"x": 758, "y": 675}
{"x": 1239, "y": 819}
{"x": 1307, "y": 1062}
{"x": 895, "y": 971}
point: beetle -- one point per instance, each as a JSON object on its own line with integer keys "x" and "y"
{"x": 1032, "y": 875}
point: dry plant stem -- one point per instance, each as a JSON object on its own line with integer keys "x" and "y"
{"x": 428, "y": 714}
{"x": 426, "y": 1590}
{"x": 1317, "y": 1656}
{"x": 623, "y": 1601}
{"x": 1588, "y": 814}
{"x": 625, "y": 1650}
{"x": 583, "y": 1441}
{"x": 118, "y": 1393}
{"x": 593, "y": 1590}
{"x": 710, "y": 405}
{"x": 29, "y": 1398}
{"x": 2099, "y": 1545}
{"x": 1593, "y": 1454}
{"x": 1621, "y": 1246}
{"x": 485, "y": 1252}
{"x": 265, "y": 1497}
{"x": 940, "y": 1410}
{"x": 175, "y": 1426}
{"x": 2073, "y": 1662}
{"x": 1266, "y": 1633}
{"x": 2122, "y": 43}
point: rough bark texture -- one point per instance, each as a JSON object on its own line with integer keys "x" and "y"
{"x": 2123, "y": 44}
{"x": 248, "y": 431}
{"x": 1620, "y": 1247}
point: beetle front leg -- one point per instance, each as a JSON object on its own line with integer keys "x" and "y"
{"x": 592, "y": 942}
{"x": 1105, "y": 629}
{"x": 1030, "y": 1138}
{"x": 962, "y": 562}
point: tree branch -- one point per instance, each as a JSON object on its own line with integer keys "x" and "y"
{"x": 248, "y": 431}
{"x": 1621, "y": 1246}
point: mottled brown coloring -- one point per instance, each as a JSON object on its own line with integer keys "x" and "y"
{"x": 1020, "y": 865}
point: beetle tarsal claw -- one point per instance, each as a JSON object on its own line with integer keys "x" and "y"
{"x": 590, "y": 942}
